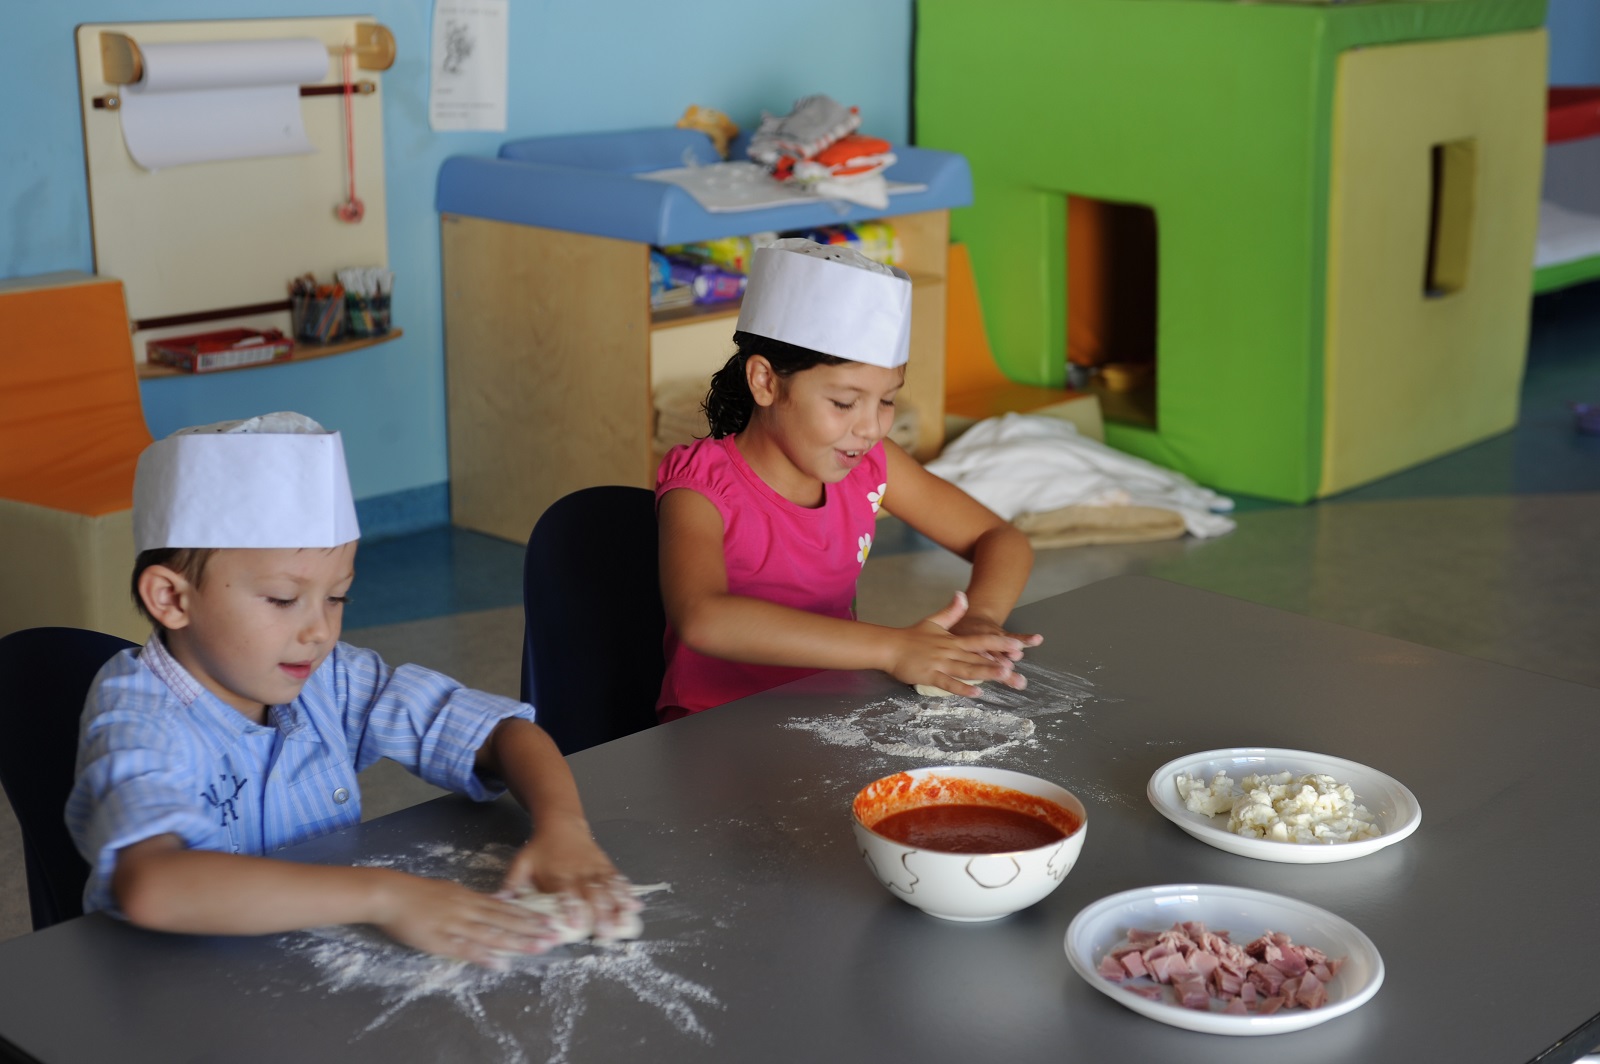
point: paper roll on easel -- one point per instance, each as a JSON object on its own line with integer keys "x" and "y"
{"x": 205, "y": 102}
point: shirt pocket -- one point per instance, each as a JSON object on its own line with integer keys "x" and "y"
{"x": 316, "y": 803}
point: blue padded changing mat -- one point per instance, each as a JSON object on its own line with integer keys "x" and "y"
{"x": 584, "y": 183}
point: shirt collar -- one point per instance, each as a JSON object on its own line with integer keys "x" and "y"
{"x": 159, "y": 660}
{"x": 286, "y": 719}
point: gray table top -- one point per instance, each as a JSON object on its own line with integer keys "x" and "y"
{"x": 775, "y": 942}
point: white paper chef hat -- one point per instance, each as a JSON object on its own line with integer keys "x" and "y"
{"x": 830, "y": 298}
{"x": 277, "y": 480}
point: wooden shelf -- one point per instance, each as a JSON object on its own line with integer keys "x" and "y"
{"x": 694, "y": 312}
{"x": 302, "y": 353}
{"x": 553, "y": 357}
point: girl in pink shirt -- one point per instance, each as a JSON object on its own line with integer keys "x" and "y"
{"x": 766, "y": 524}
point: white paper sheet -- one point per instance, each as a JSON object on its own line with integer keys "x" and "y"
{"x": 745, "y": 186}
{"x": 467, "y": 89}
{"x": 204, "y": 102}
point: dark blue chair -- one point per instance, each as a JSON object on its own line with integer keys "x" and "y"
{"x": 593, "y": 621}
{"x": 45, "y": 675}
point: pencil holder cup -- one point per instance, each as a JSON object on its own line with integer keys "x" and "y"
{"x": 367, "y": 315}
{"x": 317, "y": 319}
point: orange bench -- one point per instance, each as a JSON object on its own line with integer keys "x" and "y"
{"x": 974, "y": 386}
{"x": 71, "y": 429}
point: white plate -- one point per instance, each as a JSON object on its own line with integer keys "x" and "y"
{"x": 1395, "y": 807}
{"x": 1246, "y": 914}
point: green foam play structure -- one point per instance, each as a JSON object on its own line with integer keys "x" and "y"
{"x": 1345, "y": 200}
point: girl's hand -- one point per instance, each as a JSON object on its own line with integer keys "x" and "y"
{"x": 444, "y": 918}
{"x": 931, "y": 653}
{"x": 973, "y": 624}
{"x": 562, "y": 858}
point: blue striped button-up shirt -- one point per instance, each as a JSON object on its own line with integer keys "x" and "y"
{"x": 159, "y": 754}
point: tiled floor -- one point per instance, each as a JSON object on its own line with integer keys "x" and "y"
{"x": 1493, "y": 552}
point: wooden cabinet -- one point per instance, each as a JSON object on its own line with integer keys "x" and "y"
{"x": 552, "y": 356}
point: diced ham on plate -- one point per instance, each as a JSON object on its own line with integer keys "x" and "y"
{"x": 1312, "y": 994}
{"x": 1192, "y": 994}
{"x": 1203, "y": 966}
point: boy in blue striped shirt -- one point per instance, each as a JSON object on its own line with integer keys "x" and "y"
{"x": 240, "y": 727}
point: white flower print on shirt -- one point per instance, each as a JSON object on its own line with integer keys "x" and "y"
{"x": 876, "y": 497}
{"x": 865, "y": 545}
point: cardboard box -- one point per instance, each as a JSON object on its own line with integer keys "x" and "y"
{"x": 227, "y": 349}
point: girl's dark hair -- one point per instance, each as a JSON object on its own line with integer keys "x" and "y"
{"x": 729, "y": 404}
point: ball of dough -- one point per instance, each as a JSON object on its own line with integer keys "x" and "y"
{"x": 939, "y": 692}
{"x": 575, "y": 922}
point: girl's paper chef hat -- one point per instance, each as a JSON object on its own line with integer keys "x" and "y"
{"x": 278, "y": 480}
{"x": 830, "y": 298}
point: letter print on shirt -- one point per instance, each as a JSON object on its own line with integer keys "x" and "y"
{"x": 224, "y": 806}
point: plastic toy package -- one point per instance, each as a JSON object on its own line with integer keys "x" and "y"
{"x": 814, "y": 123}
{"x": 875, "y": 240}
{"x": 679, "y": 279}
{"x": 816, "y": 147}
{"x": 1586, "y": 418}
{"x": 729, "y": 252}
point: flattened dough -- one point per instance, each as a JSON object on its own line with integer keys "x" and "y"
{"x": 939, "y": 692}
{"x": 555, "y": 907}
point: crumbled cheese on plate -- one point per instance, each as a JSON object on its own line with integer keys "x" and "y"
{"x": 1282, "y": 807}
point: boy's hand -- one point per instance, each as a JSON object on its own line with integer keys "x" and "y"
{"x": 931, "y": 652}
{"x": 437, "y": 916}
{"x": 562, "y": 858}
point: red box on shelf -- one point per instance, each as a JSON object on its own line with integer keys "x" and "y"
{"x": 227, "y": 349}
{"x": 1573, "y": 113}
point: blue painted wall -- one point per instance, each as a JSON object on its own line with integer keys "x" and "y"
{"x": 575, "y": 65}
{"x": 1574, "y": 42}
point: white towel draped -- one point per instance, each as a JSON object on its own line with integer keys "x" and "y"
{"x": 1020, "y": 464}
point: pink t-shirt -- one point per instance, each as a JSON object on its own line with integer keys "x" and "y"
{"x": 775, "y": 550}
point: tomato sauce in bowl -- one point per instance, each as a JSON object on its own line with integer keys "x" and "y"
{"x": 970, "y": 843}
{"x": 954, "y": 815}
{"x": 967, "y": 829}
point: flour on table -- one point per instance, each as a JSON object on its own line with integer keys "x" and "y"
{"x": 999, "y": 723}
{"x": 905, "y": 727}
{"x": 358, "y": 959}
{"x": 946, "y": 732}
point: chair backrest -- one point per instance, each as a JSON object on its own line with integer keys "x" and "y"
{"x": 591, "y": 598}
{"x": 45, "y": 675}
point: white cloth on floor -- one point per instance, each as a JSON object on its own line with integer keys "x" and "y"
{"x": 1020, "y": 464}
{"x": 1565, "y": 235}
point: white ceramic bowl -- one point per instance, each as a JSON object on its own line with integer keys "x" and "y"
{"x": 1103, "y": 925}
{"x": 1390, "y": 801}
{"x": 963, "y": 886}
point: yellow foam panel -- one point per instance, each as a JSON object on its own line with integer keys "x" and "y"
{"x": 76, "y": 574}
{"x": 1437, "y": 149}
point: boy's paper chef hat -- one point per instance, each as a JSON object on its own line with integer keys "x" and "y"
{"x": 277, "y": 480}
{"x": 830, "y": 298}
